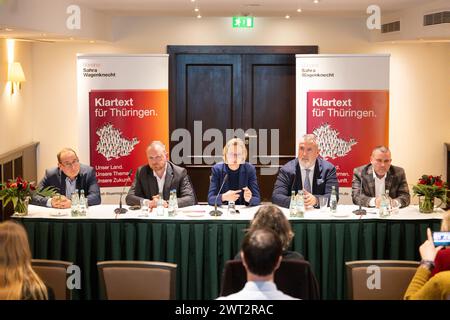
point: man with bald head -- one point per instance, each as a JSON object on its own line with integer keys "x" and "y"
{"x": 68, "y": 176}
{"x": 160, "y": 176}
{"x": 372, "y": 180}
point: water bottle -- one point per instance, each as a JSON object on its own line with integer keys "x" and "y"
{"x": 172, "y": 203}
{"x": 75, "y": 208}
{"x": 231, "y": 207}
{"x": 333, "y": 200}
{"x": 300, "y": 208}
{"x": 384, "y": 206}
{"x": 293, "y": 205}
{"x": 160, "y": 206}
{"x": 83, "y": 204}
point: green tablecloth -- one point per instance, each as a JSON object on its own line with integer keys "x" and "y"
{"x": 200, "y": 248}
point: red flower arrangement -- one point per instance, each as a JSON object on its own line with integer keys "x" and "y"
{"x": 19, "y": 192}
{"x": 430, "y": 187}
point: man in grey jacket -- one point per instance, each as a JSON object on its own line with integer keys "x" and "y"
{"x": 160, "y": 176}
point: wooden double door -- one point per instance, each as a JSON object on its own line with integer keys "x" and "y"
{"x": 234, "y": 87}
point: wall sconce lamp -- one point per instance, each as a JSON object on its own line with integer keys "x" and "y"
{"x": 15, "y": 75}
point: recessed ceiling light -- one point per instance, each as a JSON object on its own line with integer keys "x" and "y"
{"x": 192, "y": 0}
{"x": 70, "y": 38}
{"x": 196, "y": 9}
{"x": 91, "y": 41}
{"x": 299, "y": 10}
{"x": 287, "y": 16}
{"x": 8, "y": 29}
{"x": 199, "y": 16}
{"x": 316, "y": 1}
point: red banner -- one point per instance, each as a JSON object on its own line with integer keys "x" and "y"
{"x": 348, "y": 124}
{"x": 122, "y": 123}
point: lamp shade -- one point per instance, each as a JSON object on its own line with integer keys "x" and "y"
{"x": 16, "y": 73}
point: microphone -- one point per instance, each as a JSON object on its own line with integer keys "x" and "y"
{"x": 215, "y": 212}
{"x": 121, "y": 210}
{"x": 360, "y": 211}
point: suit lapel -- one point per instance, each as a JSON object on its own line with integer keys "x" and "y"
{"x": 369, "y": 181}
{"x": 168, "y": 181}
{"x": 152, "y": 186}
{"x": 388, "y": 181}
{"x": 316, "y": 175}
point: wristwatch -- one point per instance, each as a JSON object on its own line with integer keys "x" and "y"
{"x": 427, "y": 264}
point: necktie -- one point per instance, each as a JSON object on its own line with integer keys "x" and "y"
{"x": 307, "y": 185}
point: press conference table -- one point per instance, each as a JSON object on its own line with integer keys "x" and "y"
{"x": 200, "y": 244}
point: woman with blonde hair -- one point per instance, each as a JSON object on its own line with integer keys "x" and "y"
{"x": 18, "y": 281}
{"x": 237, "y": 176}
{"x": 271, "y": 217}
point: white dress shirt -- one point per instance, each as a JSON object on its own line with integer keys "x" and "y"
{"x": 258, "y": 290}
{"x": 161, "y": 180}
{"x": 380, "y": 187}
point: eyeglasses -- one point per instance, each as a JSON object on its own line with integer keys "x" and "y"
{"x": 67, "y": 164}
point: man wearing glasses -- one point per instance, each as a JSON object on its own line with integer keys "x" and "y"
{"x": 160, "y": 176}
{"x": 69, "y": 176}
{"x": 372, "y": 180}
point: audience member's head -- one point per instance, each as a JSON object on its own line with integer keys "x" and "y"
{"x": 271, "y": 217}
{"x": 17, "y": 279}
{"x": 68, "y": 162}
{"x": 261, "y": 252}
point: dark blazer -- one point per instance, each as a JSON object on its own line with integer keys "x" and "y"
{"x": 86, "y": 180}
{"x": 247, "y": 178}
{"x": 145, "y": 186}
{"x": 395, "y": 182}
{"x": 290, "y": 177}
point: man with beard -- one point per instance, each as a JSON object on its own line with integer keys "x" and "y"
{"x": 309, "y": 172}
{"x": 160, "y": 176}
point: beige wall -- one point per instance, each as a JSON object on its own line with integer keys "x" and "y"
{"x": 16, "y": 111}
{"x": 419, "y": 87}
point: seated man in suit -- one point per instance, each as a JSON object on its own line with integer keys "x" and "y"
{"x": 160, "y": 176}
{"x": 370, "y": 181}
{"x": 309, "y": 172}
{"x": 69, "y": 176}
{"x": 261, "y": 255}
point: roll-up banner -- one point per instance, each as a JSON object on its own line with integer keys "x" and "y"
{"x": 344, "y": 101}
{"x": 122, "y": 107}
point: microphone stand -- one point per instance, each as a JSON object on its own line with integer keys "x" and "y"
{"x": 360, "y": 211}
{"x": 216, "y": 212}
{"x": 121, "y": 210}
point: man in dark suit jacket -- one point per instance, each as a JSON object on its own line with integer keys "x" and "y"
{"x": 66, "y": 178}
{"x": 292, "y": 176}
{"x": 160, "y": 176}
{"x": 377, "y": 177}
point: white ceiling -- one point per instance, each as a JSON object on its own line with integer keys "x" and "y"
{"x": 237, "y": 7}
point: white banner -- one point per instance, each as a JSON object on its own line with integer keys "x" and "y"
{"x": 122, "y": 106}
{"x": 344, "y": 100}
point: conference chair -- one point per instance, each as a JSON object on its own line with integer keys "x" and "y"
{"x": 293, "y": 277}
{"x": 54, "y": 274}
{"x": 379, "y": 279}
{"x": 138, "y": 280}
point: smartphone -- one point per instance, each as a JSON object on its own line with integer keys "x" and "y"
{"x": 135, "y": 207}
{"x": 441, "y": 238}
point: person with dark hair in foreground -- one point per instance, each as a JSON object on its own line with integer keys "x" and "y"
{"x": 271, "y": 217}
{"x": 261, "y": 257}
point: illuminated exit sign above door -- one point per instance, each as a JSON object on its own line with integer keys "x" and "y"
{"x": 242, "y": 22}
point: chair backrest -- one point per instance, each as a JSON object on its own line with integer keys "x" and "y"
{"x": 379, "y": 279}
{"x": 138, "y": 280}
{"x": 293, "y": 277}
{"x": 54, "y": 274}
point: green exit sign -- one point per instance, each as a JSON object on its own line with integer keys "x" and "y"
{"x": 242, "y": 22}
